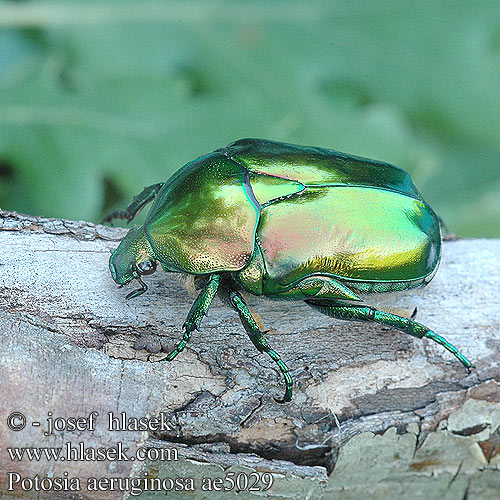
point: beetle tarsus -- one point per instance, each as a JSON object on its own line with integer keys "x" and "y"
{"x": 138, "y": 203}
{"x": 117, "y": 214}
{"x": 259, "y": 341}
{"x": 367, "y": 313}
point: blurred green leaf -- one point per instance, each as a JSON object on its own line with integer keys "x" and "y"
{"x": 99, "y": 99}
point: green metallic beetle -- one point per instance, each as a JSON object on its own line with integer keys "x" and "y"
{"x": 286, "y": 222}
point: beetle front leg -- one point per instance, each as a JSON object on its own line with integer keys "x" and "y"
{"x": 367, "y": 313}
{"x": 259, "y": 341}
{"x": 196, "y": 313}
{"x": 138, "y": 203}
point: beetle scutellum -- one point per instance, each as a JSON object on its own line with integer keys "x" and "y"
{"x": 286, "y": 222}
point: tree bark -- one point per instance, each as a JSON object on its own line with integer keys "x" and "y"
{"x": 373, "y": 409}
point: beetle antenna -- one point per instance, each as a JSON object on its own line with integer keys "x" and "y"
{"x": 139, "y": 291}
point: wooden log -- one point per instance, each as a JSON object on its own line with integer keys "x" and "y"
{"x": 373, "y": 409}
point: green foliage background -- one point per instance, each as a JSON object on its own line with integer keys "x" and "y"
{"x": 100, "y": 98}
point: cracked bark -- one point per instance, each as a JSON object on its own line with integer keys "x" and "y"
{"x": 410, "y": 417}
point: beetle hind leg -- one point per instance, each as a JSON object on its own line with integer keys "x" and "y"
{"x": 259, "y": 341}
{"x": 366, "y": 313}
{"x": 138, "y": 203}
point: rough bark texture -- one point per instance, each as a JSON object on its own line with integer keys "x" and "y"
{"x": 373, "y": 409}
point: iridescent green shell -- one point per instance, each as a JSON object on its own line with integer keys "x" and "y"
{"x": 203, "y": 219}
{"x": 286, "y": 219}
{"x": 314, "y": 166}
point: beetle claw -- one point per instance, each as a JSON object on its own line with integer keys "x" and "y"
{"x": 139, "y": 291}
{"x": 279, "y": 400}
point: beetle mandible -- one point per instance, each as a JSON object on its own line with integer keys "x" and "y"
{"x": 286, "y": 222}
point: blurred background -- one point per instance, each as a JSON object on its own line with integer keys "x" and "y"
{"x": 101, "y": 98}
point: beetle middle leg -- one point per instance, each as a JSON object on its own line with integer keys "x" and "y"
{"x": 259, "y": 341}
{"x": 366, "y": 313}
{"x": 138, "y": 203}
{"x": 196, "y": 313}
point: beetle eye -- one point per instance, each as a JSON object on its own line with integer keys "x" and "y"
{"x": 146, "y": 267}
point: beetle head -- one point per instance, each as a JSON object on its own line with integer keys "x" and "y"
{"x": 132, "y": 259}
